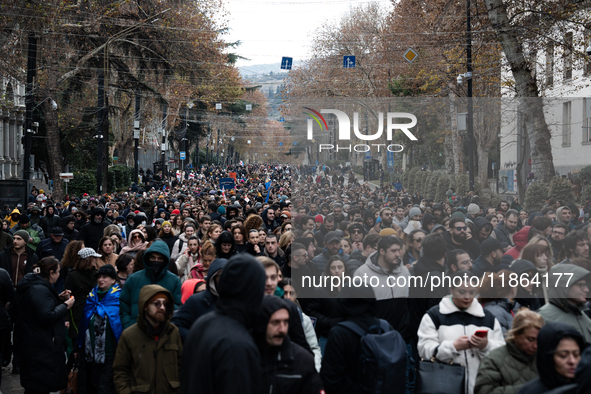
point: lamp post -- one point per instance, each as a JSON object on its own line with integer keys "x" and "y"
{"x": 136, "y": 137}
{"x": 470, "y": 115}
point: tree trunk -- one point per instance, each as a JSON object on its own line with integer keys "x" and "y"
{"x": 456, "y": 141}
{"x": 482, "y": 155}
{"x": 526, "y": 87}
{"x": 53, "y": 145}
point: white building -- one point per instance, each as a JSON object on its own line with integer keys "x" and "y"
{"x": 564, "y": 80}
{"x": 12, "y": 109}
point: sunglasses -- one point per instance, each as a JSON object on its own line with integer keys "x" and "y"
{"x": 357, "y": 232}
{"x": 461, "y": 228}
{"x": 159, "y": 304}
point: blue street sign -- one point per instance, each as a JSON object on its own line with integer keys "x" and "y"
{"x": 348, "y": 61}
{"x": 282, "y": 119}
{"x": 281, "y": 144}
{"x": 295, "y": 142}
{"x": 368, "y": 155}
{"x": 390, "y": 159}
{"x": 183, "y": 157}
{"x": 227, "y": 183}
{"x": 493, "y": 165}
{"x": 286, "y": 63}
{"x": 316, "y": 162}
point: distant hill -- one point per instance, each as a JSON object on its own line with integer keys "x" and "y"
{"x": 248, "y": 72}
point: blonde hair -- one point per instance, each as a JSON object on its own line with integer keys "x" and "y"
{"x": 523, "y": 320}
{"x": 286, "y": 239}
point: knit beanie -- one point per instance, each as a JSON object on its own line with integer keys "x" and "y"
{"x": 23, "y": 234}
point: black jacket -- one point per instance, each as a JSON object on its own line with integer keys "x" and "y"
{"x": 70, "y": 235}
{"x": 40, "y": 336}
{"x": 325, "y": 309}
{"x": 47, "y": 223}
{"x": 220, "y": 356}
{"x": 339, "y": 372}
{"x": 548, "y": 339}
{"x": 48, "y": 248}
{"x": 422, "y": 298}
{"x": 470, "y": 246}
{"x": 170, "y": 239}
{"x": 6, "y": 296}
{"x": 93, "y": 232}
{"x": 79, "y": 283}
{"x": 287, "y": 368}
{"x": 199, "y": 304}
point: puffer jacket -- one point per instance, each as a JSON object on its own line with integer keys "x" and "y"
{"x": 445, "y": 323}
{"x": 129, "y": 298}
{"x": 503, "y": 310}
{"x": 559, "y": 308}
{"x": 505, "y": 370}
{"x": 520, "y": 239}
{"x": 143, "y": 363}
{"x": 13, "y": 221}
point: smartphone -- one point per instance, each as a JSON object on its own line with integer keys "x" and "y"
{"x": 481, "y": 333}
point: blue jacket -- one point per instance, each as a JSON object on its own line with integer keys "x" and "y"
{"x": 129, "y": 298}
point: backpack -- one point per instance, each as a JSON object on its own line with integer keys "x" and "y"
{"x": 382, "y": 359}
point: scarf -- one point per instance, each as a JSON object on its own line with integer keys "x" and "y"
{"x": 107, "y": 306}
{"x": 198, "y": 271}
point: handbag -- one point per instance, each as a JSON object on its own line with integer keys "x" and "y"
{"x": 435, "y": 377}
{"x": 72, "y": 387}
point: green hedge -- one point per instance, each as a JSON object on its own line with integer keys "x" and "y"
{"x": 119, "y": 177}
{"x": 83, "y": 182}
{"x": 535, "y": 196}
{"x": 443, "y": 185}
{"x": 585, "y": 175}
{"x": 562, "y": 190}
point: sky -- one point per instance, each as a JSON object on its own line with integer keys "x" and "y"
{"x": 271, "y": 29}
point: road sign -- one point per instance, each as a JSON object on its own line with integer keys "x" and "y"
{"x": 390, "y": 157}
{"x": 286, "y": 63}
{"x": 410, "y": 55}
{"x": 249, "y": 107}
{"x": 281, "y": 144}
{"x": 227, "y": 183}
{"x": 493, "y": 165}
{"x": 66, "y": 175}
{"x": 218, "y": 106}
{"x": 172, "y": 161}
{"x": 368, "y": 155}
{"x": 348, "y": 61}
{"x": 295, "y": 142}
{"x": 282, "y": 119}
{"x": 183, "y": 155}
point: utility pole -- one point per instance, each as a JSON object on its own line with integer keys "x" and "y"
{"x": 469, "y": 115}
{"x": 29, "y": 101}
{"x": 163, "y": 147}
{"x": 136, "y": 137}
{"x": 101, "y": 118}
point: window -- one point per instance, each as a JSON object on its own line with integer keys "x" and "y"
{"x": 550, "y": 64}
{"x": 566, "y": 123}
{"x": 568, "y": 56}
{"x": 587, "y": 121}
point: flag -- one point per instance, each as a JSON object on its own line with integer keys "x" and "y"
{"x": 268, "y": 186}
{"x": 241, "y": 163}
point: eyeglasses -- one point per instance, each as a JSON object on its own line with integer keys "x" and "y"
{"x": 582, "y": 285}
{"x": 461, "y": 228}
{"x": 159, "y": 304}
{"x": 357, "y": 232}
{"x": 136, "y": 237}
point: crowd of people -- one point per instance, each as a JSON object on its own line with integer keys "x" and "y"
{"x": 195, "y": 289}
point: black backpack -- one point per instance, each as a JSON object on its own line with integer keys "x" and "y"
{"x": 382, "y": 359}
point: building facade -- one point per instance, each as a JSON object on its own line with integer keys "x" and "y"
{"x": 12, "y": 109}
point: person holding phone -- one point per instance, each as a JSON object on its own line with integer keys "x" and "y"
{"x": 459, "y": 330}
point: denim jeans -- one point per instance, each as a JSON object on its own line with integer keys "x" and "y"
{"x": 411, "y": 361}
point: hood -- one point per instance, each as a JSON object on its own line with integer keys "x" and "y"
{"x": 94, "y": 212}
{"x": 264, "y": 216}
{"x": 357, "y": 302}
{"x": 188, "y": 288}
{"x": 548, "y": 339}
{"x": 15, "y": 211}
{"x": 428, "y": 219}
{"x": 157, "y": 246}
{"x": 241, "y": 289}
{"x": 520, "y": 237}
{"x": 63, "y": 223}
{"x": 214, "y": 269}
{"x": 30, "y": 280}
{"x": 531, "y": 217}
{"x": 559, "y": 292}
{"x": 270, "y": 305}
{"x": 559, "y": 214}
{"x": 147, "y": 292}
{"x": 480, "y": 222}
{"x": 583, "y": 377}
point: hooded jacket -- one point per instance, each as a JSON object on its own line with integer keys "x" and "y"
{"x": 479, "y": 224}
{"x": 13, "y": 222}
{"x": 39, "y": 335}
{"x": 548, "y": 339}
{"x": 287, "y": 368}
{"x": 502, "y": 234}
{"x": 227, "y": 238}
{"x": 520, "y": 240}
{"x": 134, "y": 283}
{"x": 198, "y": 305}
{"x": 392, "y": 302}
{"x": 34, "y": 231}
{"x": 70, "y": 235}
{"x": 559, "y": 308}
{"x": 505, "y": 370}
{"x": 523, "y": 297}
{"x": 444, "y": 323}
{"x": 48, "y": 222}
{"x": 145, "y": 363}
{"x": 339, "y": 372}
{"x": 92, "y": 232}
{"x": 220, "y": 354}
